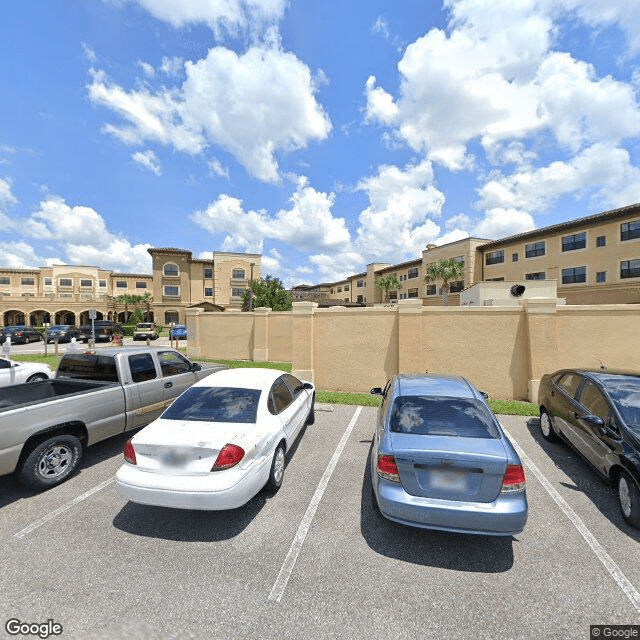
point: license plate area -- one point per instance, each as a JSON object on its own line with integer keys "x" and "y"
{"x": 447, "y": 480}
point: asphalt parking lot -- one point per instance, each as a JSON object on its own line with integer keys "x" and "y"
{"x": 316, "y": 560}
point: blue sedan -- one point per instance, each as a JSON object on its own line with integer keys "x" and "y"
{"x": 440, "y": 459}
{"x": 178, "y": 332}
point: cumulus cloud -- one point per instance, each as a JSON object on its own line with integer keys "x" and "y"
{"x": 20, "y": 255}
{"x": 149, "y": 160}
{"x": 6, "y": 194}
{"x": 253, "y": 105}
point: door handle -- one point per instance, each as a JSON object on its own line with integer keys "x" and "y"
{"x": 168, "y": 385}
{"x": 574, "y": 414}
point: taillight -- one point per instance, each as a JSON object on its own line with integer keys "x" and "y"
{"x": 513, "y": 479}
{"x": 387, "y": 468}
{"x": 228, "y": 457}
{"x": 129, "y": 453}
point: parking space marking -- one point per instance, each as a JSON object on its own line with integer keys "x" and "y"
{"x": 287, "y": 566}
{"x": 62, "y": 509}
{"x": 614, "y": 570}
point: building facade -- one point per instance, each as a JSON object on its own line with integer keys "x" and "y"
{"x": 65, "y": 294}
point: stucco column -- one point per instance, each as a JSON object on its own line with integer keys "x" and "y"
{"x": 410, "y": 336}
{"x": 261, "y": 334}
{"x": 302, "y": 340}
{"x": 194, "y": 324}
{"x": 543, "y": 342}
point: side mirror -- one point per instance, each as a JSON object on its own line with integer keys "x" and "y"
{"x": 376, "y": 391}
{"x": 195, "y": 366}
{"x": 484, "y": 394}
{"x": 307, "y": 385}
{"x": 594, "y": 421}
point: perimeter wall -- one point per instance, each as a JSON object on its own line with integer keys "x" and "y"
{"x": 502, "y": 350}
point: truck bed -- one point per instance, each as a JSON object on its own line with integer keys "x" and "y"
{"x": 38, "y": 392}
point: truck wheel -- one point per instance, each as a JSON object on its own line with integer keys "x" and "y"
{"x": 51, "y": 462}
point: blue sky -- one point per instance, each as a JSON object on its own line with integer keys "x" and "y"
{"x": 325, "y": 135}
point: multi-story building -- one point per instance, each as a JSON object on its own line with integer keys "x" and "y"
{"x": 64, "y": 294}
{"x": 594, "y": 260}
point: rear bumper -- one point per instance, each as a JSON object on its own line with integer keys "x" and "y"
{"x": 208, "y": 492}
{"x": 505, "y": 516}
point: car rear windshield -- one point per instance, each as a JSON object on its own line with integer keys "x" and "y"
{"x": 87, "y": 366}
{"x": 442, "y": 416}
{"x": 215, "y": 404}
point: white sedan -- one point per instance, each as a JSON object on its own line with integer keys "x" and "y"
{"x": 219, "y": 443}
{"x": 12, "y": 372}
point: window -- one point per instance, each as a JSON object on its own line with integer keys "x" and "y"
{"x": 494, "y": 279}
{"x": 171, "y": 291}
{"x": 172, "y": 363}
{"x": 295, "y": 386}
{"x": 86, "y": 283}
{"x": 236, "y": 292}
{"x": 403, "y": 277}
{"x": 534, "y": 249}
{"x": 412, "y": 293}
{"x": 279, "y": 397}
{"x": 455, "y": 287}
{"x": 601, "y": 276}
{"x": 360, "y": 299}
{"x": 574, "y": 275}
{"x": 601, "y": 241}
{"x": 538, "y": 275}
{"x": 215, "y": 404}
{"x": 47, "y": 282}
{"x": 360, "y": 283}
{"x": 431, "y": 290}
{"x": 208, "y": 292}
{"x": 514, "y": 257}
{"x": 5, "y": 280}
{"x": 141, "y": 285}
{"x": 121, "y": 284}
{"x": 238, "y": 274}
{"x": 494, "y": 257}
{"x": 413, "y": 272}
{"x": 65, "y": 282}
{"x": 171, "y": 317}
{"x": 595, "y": 403}
{"x": 339, "y": 289}
{"x": 170, "y": 270}
{"x": 630, "y": 230}
{"x": 346, "y": 287}
{"x": 208, "y": 272}
{"x": 630, "y": 269}
{"x": 574, "y": 241}
{"x": 570, "y": 383}
{"x": 102, "y": 284}
{"x": 27, "y": 282}
{"x": 142, "y": 367}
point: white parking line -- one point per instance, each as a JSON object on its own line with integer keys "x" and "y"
{"x": 614, "y": 570}
{"x": 62, "y": 509}
{"x": 287, "y": 566}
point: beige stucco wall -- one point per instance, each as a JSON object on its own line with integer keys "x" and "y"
{"x": 502, "y": 350}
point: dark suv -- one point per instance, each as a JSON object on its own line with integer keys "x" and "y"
{"x": 104, "y": 330}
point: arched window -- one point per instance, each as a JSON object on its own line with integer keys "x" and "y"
{"x": 171, "y": 269}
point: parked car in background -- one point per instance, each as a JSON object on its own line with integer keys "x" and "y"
{"x": 178, "y": 332}
{"x": 20, "y": 334}
{"x": 440, "y": 459}
{"x": 144, "y": 331}
{"x": 104, "y": 330}
{"x": 598, "y": 414}
{"x": 18, "y": 372}
{"x": 219, "y": 443}
{"x": 62, "y": 333}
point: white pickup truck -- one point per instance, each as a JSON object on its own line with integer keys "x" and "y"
{"x": 44, "y": 426}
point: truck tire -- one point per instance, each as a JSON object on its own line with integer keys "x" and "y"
{"x": 51, "y": 462}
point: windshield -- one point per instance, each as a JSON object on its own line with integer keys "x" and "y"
{"x": 625, "y": 393}
{"x": 59, "y": 327}
{"x": 215, "y": 404}
{"x": 442, "y": 416}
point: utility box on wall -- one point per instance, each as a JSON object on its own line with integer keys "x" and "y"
{"x": 500, "y": 293}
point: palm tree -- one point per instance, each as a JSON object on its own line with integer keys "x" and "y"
{"x": 445, "y": 271}
{"x": 387, "y": 283}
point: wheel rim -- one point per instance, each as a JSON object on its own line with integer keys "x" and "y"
{"x": 55, "y": 461}
{"x": 278, "y": 466}
{"x": 624, "y": 495}
{"x": 545, "y": 424}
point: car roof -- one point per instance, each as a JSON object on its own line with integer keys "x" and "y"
{"x": 435, "y": 384}
{"x": 601, "y": 374}
{"x": 244, "y": 378}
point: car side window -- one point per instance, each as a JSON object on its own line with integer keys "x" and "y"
{"x": 279, "y": 398}
{"x": 570, "y": 383}
{"x": 142, "y": 367}
{"x": 295, "y": 386}
{"x": 5, "y": 364}
{"x": 594, "y": 401}
{"x": 173, "y": 363}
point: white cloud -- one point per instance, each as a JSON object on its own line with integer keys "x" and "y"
{"x": 460, "y": 220}
{"x": 89, "y": 53}
{"x": 6, "y": 194}
{"x": 229, "y": 15}
{"x": 398, "y": 221}
{"x": 499, "y": 223}
{"x": 381, "y": 27}
{"x": 149, "y": 160}
{"x": 19, "y": 255}
{"x": 252, "y": 105}
{"x": 172, "y": 66}
{"x": 218, "y": 168}
{"x": 147, "y": 68}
